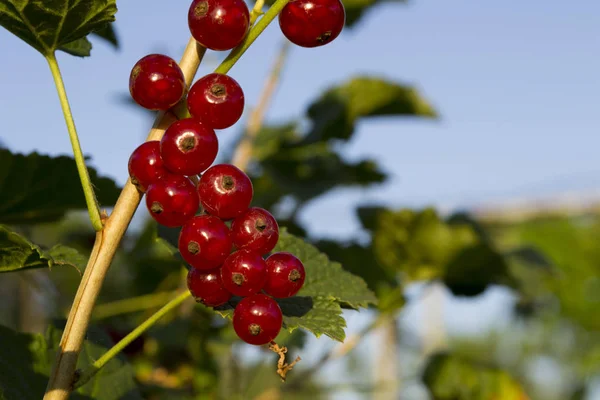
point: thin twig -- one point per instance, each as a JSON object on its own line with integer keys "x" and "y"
{"x": 243, "y": 153}
{"x": 131, "y": 305}
{"x": 93, "y": 369}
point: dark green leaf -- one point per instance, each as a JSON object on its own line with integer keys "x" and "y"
{"x": 422, "y": 246}
{"x": 288, "y": 164}
{"x": 26, "y": 360}
{"x": 471, "y": 270}
{"x": 336, "y": 112}
{"x": 79, "y": 48}
{"x": 450, "y": 377}
{"x": 18, "y": 253}
{"x": 308, "y": 172}
{"x": 108, "y": 33}
{"x": 36, "y": 188}
{"x": 50, "y": 25}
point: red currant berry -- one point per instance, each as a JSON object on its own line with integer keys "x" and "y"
{"x": 145, "y": 165}
{"x": 156, "y": 82}
{"x": 255, "y": 229}
{"x": 244, "y": 273}
{"x": 188, "y": 147}
{"x": 172, "y": 201}
{"x": 205, "y": 242}
{"x": 312, "y": 23}
{"x": 225, "y": 191}
{"x": 285, "y": 275}
{"x": 219, "y": 24}
{"x": 257, "y": 319}
{"x": 207, "y": 288}
{"x": 217, "y": 100}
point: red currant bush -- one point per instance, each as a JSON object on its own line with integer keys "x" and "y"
{"x": 257, "y": 319}
{"x": 225, "y": 191}
{"x": 207, "y": 288}
{"x": 312, "y": 23}
{"x": 188, "y": 147}
{"x": 244, "y": 273}
{"x": 204, "y": 242}
{"x": 219, "y": 24}
{"x": 172, "y": 201}
{"x": 285, "y": 275}
{"x": 217, "y": 100}
{"x": 156, "y": 82}
{"x": 256, "y": 229}
{"x": 146, "y": 165}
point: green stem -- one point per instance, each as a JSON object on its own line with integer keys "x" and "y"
{"x": 88, "y": 189}
{"x": 254, "y": 33}
{"x": 256, "y": 11}
{"x": 131, "y": 305}
{"x": 93, "y": 369}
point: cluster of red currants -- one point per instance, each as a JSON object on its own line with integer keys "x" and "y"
{"x": 225, "y": 244}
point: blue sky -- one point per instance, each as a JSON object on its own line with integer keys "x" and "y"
{"x": 516, "y": 83}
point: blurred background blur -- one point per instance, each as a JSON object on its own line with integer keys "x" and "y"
{"x": 447, "y": 152}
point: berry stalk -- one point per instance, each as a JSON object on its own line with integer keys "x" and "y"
{"x": 253, "y": 34}
{"x": 86, "y": 184}
{"x": 93, "y": 369}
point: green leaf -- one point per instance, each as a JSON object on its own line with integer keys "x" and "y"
{"x": 422, "y": 246}
{"x": 354, "y": 257}
{"x": 318, "y": 305}
{"x": 325, "y": 278}
{"x": 79, "y": 48}
{"x": 50, "y": 25}
{"x": 449, "y": 377}
{"x": 83, "y": 48}
{"x": 108, "y": 33}
{"x": 564, "y": 265}
{"x": 36, "y": 188}
{"x": 26, "y": 360}
{"x": 323, "y": 316}
{"x": 473, "y": 268}
{"x": 336, "y": 112}
{"x": 310, "y": 171}
{"x": 306, "y": 170}
{"x": 18, "y": 253}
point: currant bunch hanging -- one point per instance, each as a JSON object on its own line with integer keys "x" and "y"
{"x": 227, "y": 243}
